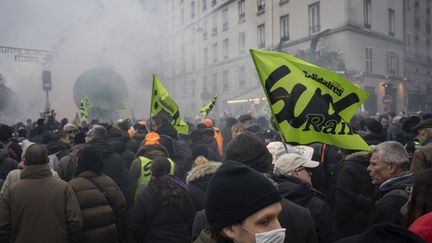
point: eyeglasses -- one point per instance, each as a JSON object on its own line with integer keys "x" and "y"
{"x": 298, "y": 169}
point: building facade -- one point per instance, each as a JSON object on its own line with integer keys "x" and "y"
{"x": 418, "y": 54}
{"x": 364, "y": 40}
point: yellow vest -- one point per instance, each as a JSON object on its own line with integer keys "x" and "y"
{"x": 145, "y": 175}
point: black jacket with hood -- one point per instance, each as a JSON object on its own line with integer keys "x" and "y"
{"x": 113, "y": 165}
{"x": 353, "y": 179}
{"x": 120, "y": 147}
{"x": 300, "y": 193}
{"x": 392, "y": 195}
{"x": 6, "y": 164}
{"x": 198, "y": 179}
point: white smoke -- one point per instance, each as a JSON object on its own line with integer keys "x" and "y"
{"x": 126, "y": 35}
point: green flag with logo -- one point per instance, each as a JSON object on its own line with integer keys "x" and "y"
{"x": 84, "y": 108}
{"x": 162, "y": 101}
{"x": 310, "y": 103}
{"x": 205, "y": 110}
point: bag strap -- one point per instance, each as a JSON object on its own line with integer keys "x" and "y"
{"x": 104, "y": 194}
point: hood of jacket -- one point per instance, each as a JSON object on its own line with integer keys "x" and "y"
{"x": 168, "y": 130}
{"x": 400, "y": 182}
{"x": 118, "y": 144}
{"x": 56, "y": 146}
{"x": 201, "y": 171}
{"x": 361, "y": 156}
{"x": 105, "y": 148}
{"x": 294, "y": 190}
{"x": 152, "y": 151}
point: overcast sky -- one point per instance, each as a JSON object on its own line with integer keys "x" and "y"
{"x": 81, "y": 35}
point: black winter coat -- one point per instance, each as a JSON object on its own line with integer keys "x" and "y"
{"x": 59, "y": 148}
{"x": 300, "y": 193}
{"x": 374, "y": 139}
{"x": 151, "y": 222}
{"x": 206, "y": 139}
{"x": 353, "y": 178}
{"x": 395, "y": 133}
{"x": 392, "y": 196}
{"x": 6, "y": 165}
{"x": 170, "y": 131}
{"x": 120, "y": 147}
{"x": 113, "y": 166}
{"x": 198, "y": 179}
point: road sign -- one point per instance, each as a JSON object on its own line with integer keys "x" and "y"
{"x": 387, "y": 100}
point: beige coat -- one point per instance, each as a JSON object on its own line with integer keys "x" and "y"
{"x": 39, "y": 209}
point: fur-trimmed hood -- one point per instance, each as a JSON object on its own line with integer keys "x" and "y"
{"x": 359, "y": 156}
{"x": 202, "y": 170}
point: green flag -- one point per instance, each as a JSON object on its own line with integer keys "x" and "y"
{"x": 205, "y": 110}
{"x": 162, "y": 101}
{"x": 310, "y": 103}
{"x": 84, "y": 106}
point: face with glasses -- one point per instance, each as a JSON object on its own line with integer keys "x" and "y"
{"x": 303, "y": 174}
{"x": 264, "y": 220}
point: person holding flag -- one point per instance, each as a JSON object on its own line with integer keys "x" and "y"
{"x": 161, "y": 101}
{"x": 167, "y": 123}
{"x": 310, "y": 103}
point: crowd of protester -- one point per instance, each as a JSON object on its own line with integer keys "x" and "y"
{"x": 229, "y": 180}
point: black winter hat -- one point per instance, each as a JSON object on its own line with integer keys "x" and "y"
{"x": 236, "y": 192}
{"x": 90, "y": 158}
{"x": 373, "y": 125}
{"x": 249, "y": 149}
{"x": 383, "y": 233}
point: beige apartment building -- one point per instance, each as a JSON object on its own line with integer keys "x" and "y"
{"x": 382, "y": 46}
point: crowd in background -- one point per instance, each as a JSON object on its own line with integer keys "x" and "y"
{"x": 229, "y": 180}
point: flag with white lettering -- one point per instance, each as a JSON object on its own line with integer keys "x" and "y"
{"x": 310, "y": 103}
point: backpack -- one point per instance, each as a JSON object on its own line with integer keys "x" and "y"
{"x": 180, "y": 148}
{"x": 180, "y": 153}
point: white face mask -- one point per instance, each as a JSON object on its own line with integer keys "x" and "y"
{"x": 273, "y": 236}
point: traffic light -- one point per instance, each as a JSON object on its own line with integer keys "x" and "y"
{"x": 46, "y": 80}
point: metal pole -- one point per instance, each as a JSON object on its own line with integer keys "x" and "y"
{"x": 47, "y": 104}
